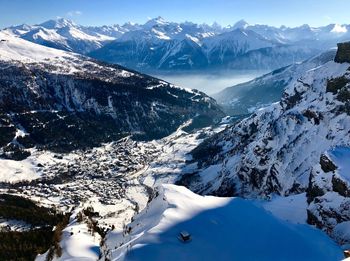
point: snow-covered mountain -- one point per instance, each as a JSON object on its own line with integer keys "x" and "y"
{"x": 162, "y": 45}
{"x": 66, "y": 35}
{"x": 159, "y": 44}
{"x": 61, "y": 100}
{"x": 241, "y": 46}
{"x": 247, "y": 97}
{"x": 324, "y": 35}
{"x": 225, "y": 47}
{"x": 293, "y": 146}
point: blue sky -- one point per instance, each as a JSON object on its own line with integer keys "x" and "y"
{"x": 100, "y": 12}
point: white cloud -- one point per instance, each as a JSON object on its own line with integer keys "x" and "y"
{"x": 74, "y": 13}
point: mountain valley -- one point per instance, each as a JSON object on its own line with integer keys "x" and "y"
{"x": 102, "y": 162}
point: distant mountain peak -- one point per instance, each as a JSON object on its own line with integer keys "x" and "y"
{"x": 216, "y": 25}
{"x": 128, "y": 24}
{"x": 304, "y": 26}
{"x": 58, "y": 23}
{"x": 159, "y": 19}
{"x": 241, "y": 24}
{"x": 339, "y": 29}
{"x": 156, "y": 21}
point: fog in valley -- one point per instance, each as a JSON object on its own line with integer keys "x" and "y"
{"x": 209, "y": 82}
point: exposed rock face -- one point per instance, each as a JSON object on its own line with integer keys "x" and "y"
{"x": 343, "y": 54}
{"x": 329, "y": 204}
{"x": 326, "y": 164}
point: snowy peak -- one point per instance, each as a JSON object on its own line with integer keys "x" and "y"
{"x": 226, "y": 47}
{"x": 130, "y": 26}
{"x": 241, "y": 24}
{"x": 58, "y": 23}
{"x": 158, "y": 21}
{"x": 339, "y": 29}
{"x": 215, "y": 26}
{"x": 65, "y": 35}
{"x": 19, "y": 29}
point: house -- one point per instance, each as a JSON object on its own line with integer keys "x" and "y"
{"x": 185, "y": 236}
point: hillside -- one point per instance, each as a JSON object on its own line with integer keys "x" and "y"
{"x": 282, "y": 149}
{"x": 247, "y": 97}
{"x": 63, "y": 101}
{"x": 220, "y": 228}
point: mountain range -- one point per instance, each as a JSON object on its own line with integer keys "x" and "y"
{"x": 162, "y": 45}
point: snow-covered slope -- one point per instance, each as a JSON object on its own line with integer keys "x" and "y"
{"x": 227, "y": 46}
{"x": 271, "y": 58}
{"x": 63, "y": 100}
{"x": 13, "y": 48}
{"x": 278, "y": 150}
{"x": 66, "y": 35}
{"x": 264, "y": 149}
{"x": 340, "y": 156}
{"x": 220, "y": 229}
{"x": 247, "y": 97}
